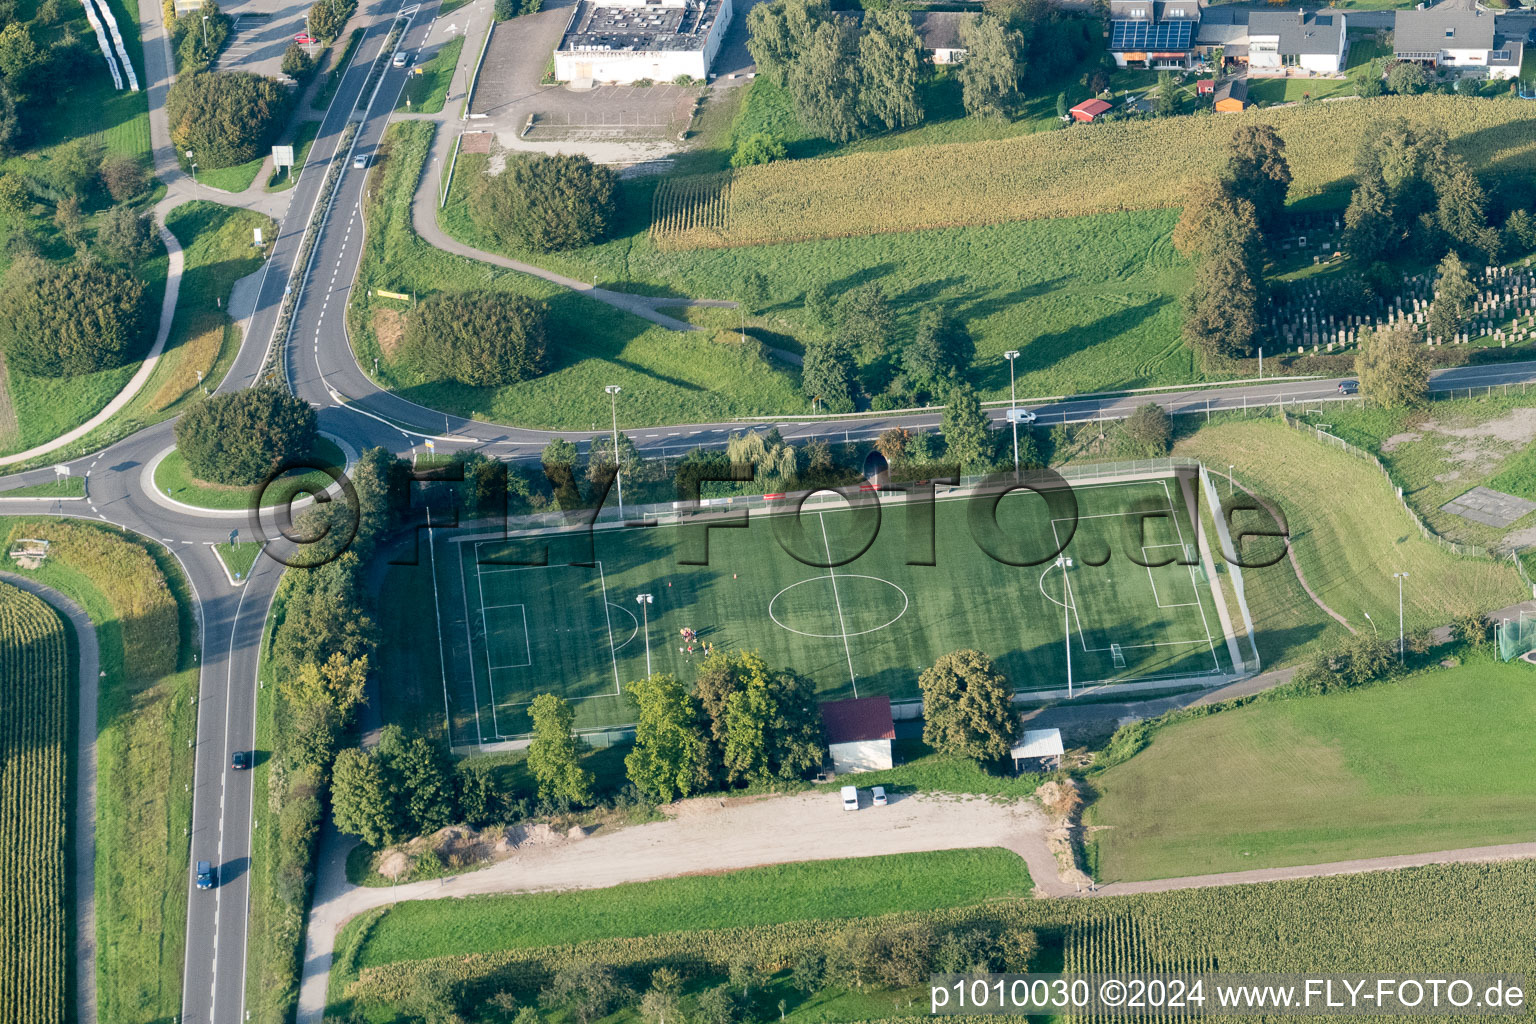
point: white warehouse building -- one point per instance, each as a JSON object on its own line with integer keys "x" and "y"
{"x": 623, "y": 41}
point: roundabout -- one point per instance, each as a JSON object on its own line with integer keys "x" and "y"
{"x": 837, "y": 607}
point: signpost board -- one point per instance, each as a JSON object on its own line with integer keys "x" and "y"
{"x": 282, "y": 156}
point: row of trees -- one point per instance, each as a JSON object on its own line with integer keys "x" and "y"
{"x": 1222, "y": 228}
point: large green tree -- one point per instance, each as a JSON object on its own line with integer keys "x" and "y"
{"x": 1454, "y": 292}
{"x": 824, "y": 82}
{"x": 66, "y": 319}
{"x": 479, "y": 338}
{"x": 1258, "y": 171}
{"x": 241, "y": 437}
{"x": 546, "y": 203}
{"x": 968, "y": 707}
{"x": 423, "y": 783}
{"x": 763, "y": 724}
{"x": 865, "y": 320}
{"x": 966, "y": 442}
{"x": 670, "y": 757}
{"x": 1214, "y": 218}
{"x": 553, "y": 756}
{"x": 1223, "y": 308}
{"x": 1369, "y": 232}
{"x": 891, "y": 65}
{"x": 993, "y": 66}
{"x": 225, "y": 117}
{"x": 828, "y": 375}
{"x": 941, "y": 350}
{"x": 1391, "y": 369}
{"x": 361, "y": 801}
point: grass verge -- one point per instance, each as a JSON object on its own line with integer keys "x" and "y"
{"x": 63, "y": 487}
{"x": 238, "y": 557}
{"x": 861, "y": 887}
{"x": 427, "y": 87}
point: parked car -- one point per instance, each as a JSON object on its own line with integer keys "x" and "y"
{"x": 305, "y": 39}
{"x": 1349, "y": 387}
{"x": 240, "y": 761}
{"x": 206, "y": 877}
{"x": 401, "y": 59}
{"x": 850, "y": 798}
{"x": 879, "y": 793}
{"x": 360, "y": 161}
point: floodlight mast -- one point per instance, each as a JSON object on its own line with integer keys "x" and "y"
{"x": 1011, "y": 355}
{"x": 618, "y": 478}
{"x": 1399, "y": 576}
{"x": 1066, "y": 621}
{"x": 644, "y": 601}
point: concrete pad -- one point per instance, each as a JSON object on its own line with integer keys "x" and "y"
{"x": 1489, "y": 507}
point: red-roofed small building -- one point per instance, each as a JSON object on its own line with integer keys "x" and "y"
{"x": 1087, "y": 110}
{"x": 1205, "y": 86}
{"x": 859, "y": 733}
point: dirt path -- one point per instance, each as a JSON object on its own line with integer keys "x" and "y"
{"x": 84, "y": 825}
{"x": 702, "y": 836}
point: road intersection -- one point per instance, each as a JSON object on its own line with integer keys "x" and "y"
{"x": 320, "y": 367}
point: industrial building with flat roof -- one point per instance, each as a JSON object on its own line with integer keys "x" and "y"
{"x": 624, "y": 41}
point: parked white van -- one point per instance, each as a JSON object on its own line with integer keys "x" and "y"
{"x": 850, "y": 798}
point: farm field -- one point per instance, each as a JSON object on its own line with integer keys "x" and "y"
{"x": 140, "y": 604}
{"x": 35, "y": 679}
{"x": 1349, "y": 533}
{"x": 1384, "y": 770}
{"x": 511, "y": 628}
{"x": 814, "y": 890}
{"x": 667, "y": 376}
{"x": 1043, "y": 175}
{"x": 1090, "y": 302}
{"x": 1455, "y": 918}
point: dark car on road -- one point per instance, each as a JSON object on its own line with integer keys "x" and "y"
{"x": 240, "y": 761}
{"x": 205, "y": 875}
{"x": 1349, "y": 387}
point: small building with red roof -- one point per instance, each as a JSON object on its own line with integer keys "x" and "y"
{"x": 859, "y": 733}
{"x": 1087, "y": 110}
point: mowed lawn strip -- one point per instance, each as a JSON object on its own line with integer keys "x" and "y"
{"x": 863, "y": 887}
{"x": 1438, "y": 761}
{"x": 1348, "y": 531}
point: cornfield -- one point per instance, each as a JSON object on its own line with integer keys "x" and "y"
{"x": 34, "y": 664}
{"x": 1124, "y": 165}
{"x": 692, "y": 213}
{"x": 1127, "y": 944}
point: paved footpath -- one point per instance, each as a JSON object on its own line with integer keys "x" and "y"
{"x": 89, "y": 674}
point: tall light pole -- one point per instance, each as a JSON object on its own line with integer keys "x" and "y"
{"x": 613, "y": 405}
{"x": 644, "y": 600}
{"x": 1011, "y": 355}
{"x": 193, "y": 162}
{"x": 1066, "y": 621}
{"x": 1399, "y": 576}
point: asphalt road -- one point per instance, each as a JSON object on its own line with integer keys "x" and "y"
{"x": 319, "y": 363}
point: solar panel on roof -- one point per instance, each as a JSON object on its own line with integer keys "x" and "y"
{"x": 1139, "y": 35}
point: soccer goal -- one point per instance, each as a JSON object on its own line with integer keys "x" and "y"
{"x": 1515, "y": 637}
{"x": 1117, "y": 655}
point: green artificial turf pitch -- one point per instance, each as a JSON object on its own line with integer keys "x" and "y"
{"x": 870, "y": 624}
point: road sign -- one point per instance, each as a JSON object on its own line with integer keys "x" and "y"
{"x": 282, "y": 156}
{"x": 431, "y": 445}
{"x": 61, "y": 470}
{"x": 257, "y": 232}
{"x": 234, "y": 536}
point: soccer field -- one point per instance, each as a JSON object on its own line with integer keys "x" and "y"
{"x": 868, "y": 624}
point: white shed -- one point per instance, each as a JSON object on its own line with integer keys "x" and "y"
{"x": 1038, "y": 744}
{"x": 859, "y": 733}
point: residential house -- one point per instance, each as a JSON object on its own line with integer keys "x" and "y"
{"x": 1272, "y": 41}
{"x": 1459, "y": 35}
{"x": 939, "y": 32}
{"x": 1231, "y": 95}
{"x": 1313, "y": 41}
{"x": 1153, "y": 33}
{"x": 859, "y": 733}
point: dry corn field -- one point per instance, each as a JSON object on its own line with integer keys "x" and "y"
{"x": 1125, "y": 165}
{"x": 692, "y": 213}
{"x": 1127, "y": 945}
{"x": 34, "y": 664}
